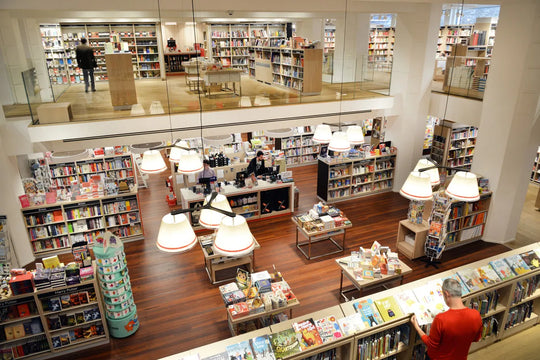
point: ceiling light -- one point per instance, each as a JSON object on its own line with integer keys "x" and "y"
{"x": 218, "y": 140}
{"x": 417, "y": 187}
{"x": 212, "y": 219}
{"x": 175, "y": 234}
{"x": 233, "y": 237}
{"x": 190, "y": 163}
{"x": 339, "y": 142}
{"x": 463, "y": 187}
{"x": 432, "y": 171}
{"x": 152, "y": 162}
{"x": 177, "y": 152}
{"x": 355, "y": 135}
{"x": 323, "y": 134}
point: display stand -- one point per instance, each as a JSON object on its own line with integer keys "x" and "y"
{"x": 121, "y": 81}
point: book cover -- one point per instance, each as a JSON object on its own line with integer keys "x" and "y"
{"x": 409, "y": 304}
{"x": 388, "y": 308}
{"x": 219, "y": 356}
{"x": 430, "y": 296}
{"x": 368, "y": 311}
{"x": 307, "y": 332}
{"x": 488, "y": 275}
{"x": 328, "y": 328}
{"x": 262, "y": 350}
{"x": 284, "y": 343}
{"x": 531, "y": 259}
{"x": 502, "y": 269}
{"x": 517, "y": 264}
{"x": 464, "y": 289}
{"x": 240, "y": 351}
{"x": 349, "y": 325}
{"x": 471, "y": 279}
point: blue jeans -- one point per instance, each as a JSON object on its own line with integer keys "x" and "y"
{"x": 88, "y": 73}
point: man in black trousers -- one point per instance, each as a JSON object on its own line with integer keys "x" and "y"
{"x": 87, "y": 62}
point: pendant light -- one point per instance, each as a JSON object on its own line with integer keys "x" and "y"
{"x": 175, "y": 234}
{"x": 463, "y": 187}
{"x": 212, "y": 219}
{"x": 190, "y": 163}
{"x": 432, "y": 171}
{"x": 177, "y": 152}
{"x": 355, "y": 135}
{"x": 417, "y": 187}
{"x": 233, "y": 237}
{"x": 323, "y": 134}
{"x": 339, "y": 142}
{"x": 152, "y": 162}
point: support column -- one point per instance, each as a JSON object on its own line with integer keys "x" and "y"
{"x": 509, "y": 131}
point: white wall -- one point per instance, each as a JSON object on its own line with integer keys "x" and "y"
{"x": 183, "y": 34}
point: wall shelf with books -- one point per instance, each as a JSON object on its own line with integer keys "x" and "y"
{"x": 299, "y": 149}
{"x": 453, "y": 146}
{"x": 381, "y": 48}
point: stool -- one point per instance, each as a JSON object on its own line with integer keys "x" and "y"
{"x": 54, "y": 113}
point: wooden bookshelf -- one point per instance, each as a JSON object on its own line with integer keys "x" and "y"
{"x": 381, "y": 48}
{"x": 453, "y": 146}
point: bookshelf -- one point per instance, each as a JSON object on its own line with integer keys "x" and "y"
{"x": 48, "y": 332}
{"x": 343, "y": 179}
{"x": 450, "y": 35}
{"x": 299, "y": 149}
{"x": 143, "y": 41}
{"x": 52, "y": 229}
{"x": 173, "y": 61}
{"x": 329, "y": 38}
{"x": 453, "y": 146}
{"x": 535, "y": 172}
{"x": 381, "y": 48}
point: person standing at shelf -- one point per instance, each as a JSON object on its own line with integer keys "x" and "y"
{"x": 207, "y": 171}
{"x": 256, "y": 167}
{"x": 452, "y": 331}
{"x": 87, "y": 62}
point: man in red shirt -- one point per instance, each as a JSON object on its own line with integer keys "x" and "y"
{"x": 452, "y": 331}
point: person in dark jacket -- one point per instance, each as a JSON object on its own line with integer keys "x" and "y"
{"x": 87, "y": 62}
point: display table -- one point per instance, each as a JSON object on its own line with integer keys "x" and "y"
{"x": 252, "y": 203}
{"x": 364, "y": 284}
{"x": 217, "y": 80}
{"x": 317, "y": 236}
{"x": 215, "y": 262}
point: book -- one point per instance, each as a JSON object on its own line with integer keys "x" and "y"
{"x": 284, "y": 343}
{"x": 409, "y": 304}
{"x": 488, "y": 275}
{"x": 351, "y": 324}
{"x": 531, "y": 259}
{"x": 368, "y": 310}
{"x": 262, "y": 350}
{"x": 240, "y": 351}
{"x": 502, "y": 269}
{"x": 471, "y": 279}
{"x": 517, "y": 264}
{"x": 464, "y": 289}
{"x": 388, "y": 308}
{"x": 430, "y": 296}
{"x": 328, "y": 328}
{"x": 219, "y": 356}
{"x": 308, "y": 335}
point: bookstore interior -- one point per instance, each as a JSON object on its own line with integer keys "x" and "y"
{"x": 191, "y": 199}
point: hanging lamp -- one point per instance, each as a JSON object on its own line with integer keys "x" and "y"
{"x": 178, "y": 150}
{"x": 190, "y": 163}
{"x": 152, "y": 162}
{"x": 463, "y": 187}
{"x": 432, "y": 170}
{"x": 212, "y": 219}
{"x": 339, "y": 142}
{"x": 175, "y": 234}
{"x": 417, "y": 187}
{"x": 233, "y": 237}
{"x": 323, "y": 134}
{"x": 355, "y": 135}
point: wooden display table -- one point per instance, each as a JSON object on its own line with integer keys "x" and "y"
{"x": 317, "y": 236}
{"x": 420, "y": 232}
{"x": 213, "y": 264}
{"x": 121, "y": 81}
{"x": 364, "y": 284}
{"x": 217, "y": 80}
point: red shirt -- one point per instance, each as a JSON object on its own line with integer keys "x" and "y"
{"x": 452, "y": 333}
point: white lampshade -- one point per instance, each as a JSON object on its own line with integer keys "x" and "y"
{"x": 218, "y": 140}
{"x": 212, "y": 219}
{"x": 355, "y": 134}
{"x": 176, "y": 152}
{"x": 152, "y": 162}
{"x": 175, "y": 234}
{"x": 433, "y": 173}
{"x": 233, "y": 237}
{"x": 339, "y": 142}
{"x": 190, "y": 163}
{"x": 464, "y": 187}
{"x": 417, "y": 187}
{"x": 323, "y": 134}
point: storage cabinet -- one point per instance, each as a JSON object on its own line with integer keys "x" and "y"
{"x": 411, "y": 238}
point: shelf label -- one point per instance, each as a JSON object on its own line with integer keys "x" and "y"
{"x": 71, "y": 290}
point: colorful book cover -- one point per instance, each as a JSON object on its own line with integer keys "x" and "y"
{"x": 328, "y": 328}
{"x": 430, "y": 296}
{"x": 351, "y": 324}
{"x": 308, "y": 335}
{"x": 285, "y": 343}
{"x": 531, "y": 259}
{"x": 409, "y": 304}
{"x": 464, "y": 289}
{"x": 517, "y": 264}
{"x": 502, "y": 269}
{"x": 488, "y": 275}
{"x": 471, "y": 279}
{"x": 369, "y": 312}
{"x": 388, "y": 308}
{"x": 240, "y": 351}
{"x": 262, "y": 350}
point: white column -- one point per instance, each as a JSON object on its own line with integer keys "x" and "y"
{"x": 412, "y": 73}
{"x": 509, "y": 131}
{"x": 352, "y": 39}
{"x": 311, "y": 29}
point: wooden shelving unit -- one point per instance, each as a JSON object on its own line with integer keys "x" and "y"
{"x": 56, "y": 55}
{"x": 87, "y": 326}
{"x": 450, "y": 35}
{"x": 535, "y": 172}
{"x": 173, "y": 61}
{"x": 381, "y": 48}
{"x": 418, "y": 233}
{"x": 453, "y": 146}
{"x": 344, "y": 179}
{"x": 299, "y": 149}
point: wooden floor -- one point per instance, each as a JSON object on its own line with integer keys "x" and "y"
{"x": 179, "y": 309}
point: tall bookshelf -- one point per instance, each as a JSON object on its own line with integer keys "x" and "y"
{"x": 453, "y": 146}
{"x": 58, "y": 61}
{"x": 299, "y": 149}
{"x": 535, "y": 173}
{"x": 465, "y": 221}
{"x": 381, "y": 48}
{"x": 450, "y": 35}
{"x": 329, "y": 38}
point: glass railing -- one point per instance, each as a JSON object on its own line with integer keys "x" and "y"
{"x": 461, "y": 75}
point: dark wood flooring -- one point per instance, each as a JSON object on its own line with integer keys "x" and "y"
{"x": 179, "y": 309}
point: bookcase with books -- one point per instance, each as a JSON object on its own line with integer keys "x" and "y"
{"x": 450, "y": 35}
{"x": 453, "y": 146}
{"x": 299, "y": 149}
{"x": 381, "y": 48}
{"x": 535, "y": 172}
{"x": 53, "y": 321}
{"x": 52, "y": 229}
{"x": 466, "y": 221}
{"x": 343, "y": 179}
{"x": 55, "y": 54}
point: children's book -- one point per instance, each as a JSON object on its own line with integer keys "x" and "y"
{"x": 531, "y": 259}
{"x": 409, "y": 304}
{"x": 262, "y": 350}
{"x": 388, "y": 308}
{"x": 284, "y": 343}
{"x": 464, "y": 289}
{"x": 430, "y": 296}
{"x": 517, "y": 264}
{"x": 502, "y": 269}
{"x": 351, "y": 324}
{"x": 240, "y": 351}
{"x": 488, "y": 275}
{"x": 328, "y": 328}
{"x": 471, "y": 279}
{"x": 308, "y": 335}
{"x": 369, "y": 312}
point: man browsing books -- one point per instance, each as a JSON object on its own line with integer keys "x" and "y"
{"x": 452, "y": 331}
